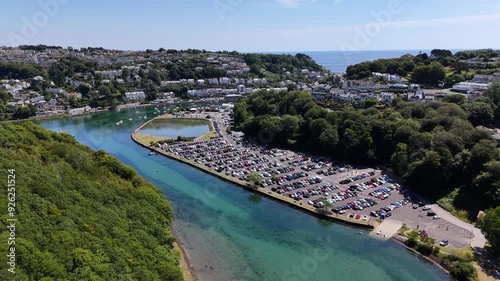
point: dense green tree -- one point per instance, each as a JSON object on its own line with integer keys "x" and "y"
{"x": 104, "y": 90}
{"x": 93, "y": 218}
{"x": 490, "y": 226}
{"x": 316, "y": 112}
{"x": 4, "y": 96}
{"x": 463, "y": 271}
{"x": 329, "y": 139}
{"x": 84, "y": 89}
{"x": 18, "y": 71}
{"x": 433, "y": 145}
{"x": 369, "y": 103}
{"x": 429, "y": 74}
{"x": 488, "y": 183}
{"x": 290, "y": 126}
{"x": 154, "y": 76}
{"x": 439, "y": 53}
{"x": 455, "y": 98}
{"x": 255, "y": 178}
{"x": 479, "y": 112}
{"x": 23, "y": 112}
{"x": 493, "y": 92}
{"x": 481, "y": 153}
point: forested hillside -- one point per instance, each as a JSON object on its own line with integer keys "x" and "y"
{"x": 81, "y": 214}
{"x": 434, "y": 146}
{"x": 440, "y": 66}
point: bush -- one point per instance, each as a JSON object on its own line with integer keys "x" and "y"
{"x": 435, "y": 251}
{"x": 463, "y": 271}
{"x": 425, "y": 249}
{"x": 324, "y": 211}
{"x": 411, "y": 242}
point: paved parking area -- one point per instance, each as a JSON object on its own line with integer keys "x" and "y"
{"x": 438, "y": 229}
{"x": 321, "y": 182}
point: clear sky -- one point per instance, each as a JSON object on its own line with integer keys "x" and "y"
{"x": 253, "y": 25}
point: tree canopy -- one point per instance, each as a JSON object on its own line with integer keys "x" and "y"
{"x": 82, "y": 214}
{"x": 434, "y": 146}
{"x": 490, "y": 226}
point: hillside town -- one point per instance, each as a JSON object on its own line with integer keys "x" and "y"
{"x": 70, "y": 81}
{"x": 76, "y": 81}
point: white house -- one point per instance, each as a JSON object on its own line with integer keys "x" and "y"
{"x": 135, "y": 95}
{"x": 80, "y": 110}
{"x": 386, "y": 97}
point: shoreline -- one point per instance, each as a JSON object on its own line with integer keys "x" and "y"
{"x": 188, "y": 273}
{"x": 401, "y": 241}
{"x": 258, "y": 190}
{"x": 118, "y": 108}
{"x": 284, "y": 201}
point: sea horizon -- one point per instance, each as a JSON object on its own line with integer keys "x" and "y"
{"x": 338, "y": 61}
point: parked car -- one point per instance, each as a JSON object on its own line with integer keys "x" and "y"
{"x": 426, "y": 208}
{"x": 443, "y": 243}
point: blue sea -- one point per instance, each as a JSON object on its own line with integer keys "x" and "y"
{"x": 338, "y": 61}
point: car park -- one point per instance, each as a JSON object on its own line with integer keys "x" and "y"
{"x": 313, "y": 181}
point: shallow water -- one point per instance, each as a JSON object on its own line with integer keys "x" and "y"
{"x": 172, "y": 128}
{"x": 231, "y": 234}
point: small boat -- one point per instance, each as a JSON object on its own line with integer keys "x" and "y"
{"x": 130, "y": 119}
{"x": 119, "y": 123}
{"x": 152, "y": 153}
{"x": 145, "y": 117}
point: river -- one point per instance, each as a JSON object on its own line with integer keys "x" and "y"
{"x": 231, "y": 234}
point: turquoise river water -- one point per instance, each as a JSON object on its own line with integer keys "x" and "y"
{"x": 172, "y": 128}
{"x": 231, "y": 234}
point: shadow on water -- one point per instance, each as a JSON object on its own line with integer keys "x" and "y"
{"x": 254, "y": 198}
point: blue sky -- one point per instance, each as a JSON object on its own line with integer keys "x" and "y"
{"x": 253, "y": 25}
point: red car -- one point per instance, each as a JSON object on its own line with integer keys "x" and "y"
{"x": 358, "y": 216}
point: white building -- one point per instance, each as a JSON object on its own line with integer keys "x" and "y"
{"x": 80, "y": 110}
{"x": 135, "y": 96}
{"x": 386, "y": 97}
{"x": 465, "y": 87}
